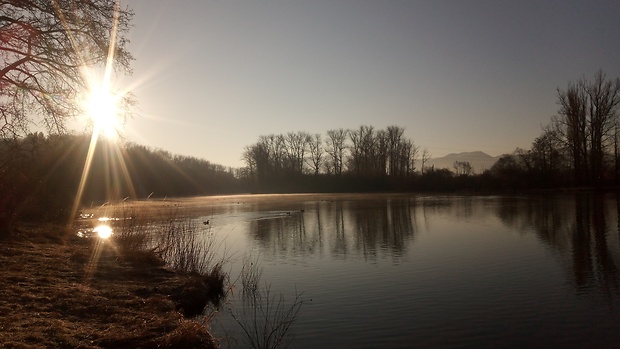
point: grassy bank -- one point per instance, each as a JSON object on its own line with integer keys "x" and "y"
{"x": 61, "y": 291}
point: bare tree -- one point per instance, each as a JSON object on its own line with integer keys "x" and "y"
{"x": 296, "y": 144}
{"x": 276, "y": 153}
{"x": 258, "y": 159}
{"x": 394, "y": 136}
{"x": 426, "y": 155}
{"x": 44, "y": 47}
{"x": 402, "y": 152}
{"x": 410, "y": 156}
{"x": 546, "y": 160}
{"x": 249, "y": 158}
{"x": 586, "y": 123}
{"x": 336, "y": 145}
{"x": 369, "y": 151}
{"x": 315, "y": 146}
{"x": 355, "y": 151}
{"x": 379, "y": 159}
{"x": 604, "y": 98}
{"x": 616, "y": 152}
{"x": 367, "y": 144}
{"x": 571, "y": 125}
{"x": 462, "y": 168}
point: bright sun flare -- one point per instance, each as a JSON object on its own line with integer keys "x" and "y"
{"x": 102, "y": 107}
{"x": 103, "y": 231}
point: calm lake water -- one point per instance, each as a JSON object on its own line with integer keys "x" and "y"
{"x": 413, "y": 271}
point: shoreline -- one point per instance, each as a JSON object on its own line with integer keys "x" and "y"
{"x": 63, "y": 291}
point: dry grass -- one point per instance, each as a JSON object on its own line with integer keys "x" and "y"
{"x": 60, "y": 291}
{"x": 182, "y": 244}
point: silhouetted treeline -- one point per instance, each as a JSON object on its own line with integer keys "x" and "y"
{"x": 364, "y": 159}
{"x": 580, "y": 146}
{"x": 355, "y": 160}
{"x": 586, "y": 128}
{"x": 157, "y": 173}
{"x": 364, "y": 152}
{"x": 40, "y": 175}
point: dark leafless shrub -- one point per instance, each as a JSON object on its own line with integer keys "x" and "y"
{"x": 250, "y": 277}
{"x": 264, "y": 317}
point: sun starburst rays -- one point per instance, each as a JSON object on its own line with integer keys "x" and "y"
{"x": 102, "y": 105}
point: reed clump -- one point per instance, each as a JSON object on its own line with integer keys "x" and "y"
{"x": 180, "y": 244}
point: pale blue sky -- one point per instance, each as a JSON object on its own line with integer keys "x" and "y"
{"x": 211, "y": 76}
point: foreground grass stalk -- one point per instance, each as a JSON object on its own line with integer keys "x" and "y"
{"x": 265, "y": 319}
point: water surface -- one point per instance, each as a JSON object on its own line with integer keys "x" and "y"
{"x": 403, "y": 271}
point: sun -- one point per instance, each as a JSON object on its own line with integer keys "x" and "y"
{"x": 103, "y": 231}
{"x": 102, "y": 107}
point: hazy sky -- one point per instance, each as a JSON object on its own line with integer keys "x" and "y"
{"x": 211, "y": 76}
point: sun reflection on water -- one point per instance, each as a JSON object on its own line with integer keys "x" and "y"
{"x": 103, "y": 231}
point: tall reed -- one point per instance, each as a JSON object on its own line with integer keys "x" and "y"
{"x": 183, "y": 245}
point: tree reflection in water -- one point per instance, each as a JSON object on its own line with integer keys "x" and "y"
{"x": 577, "y": 228}
{"x": 338, "y": 227}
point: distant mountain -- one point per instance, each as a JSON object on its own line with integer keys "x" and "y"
{"x": 480, "y": 161}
